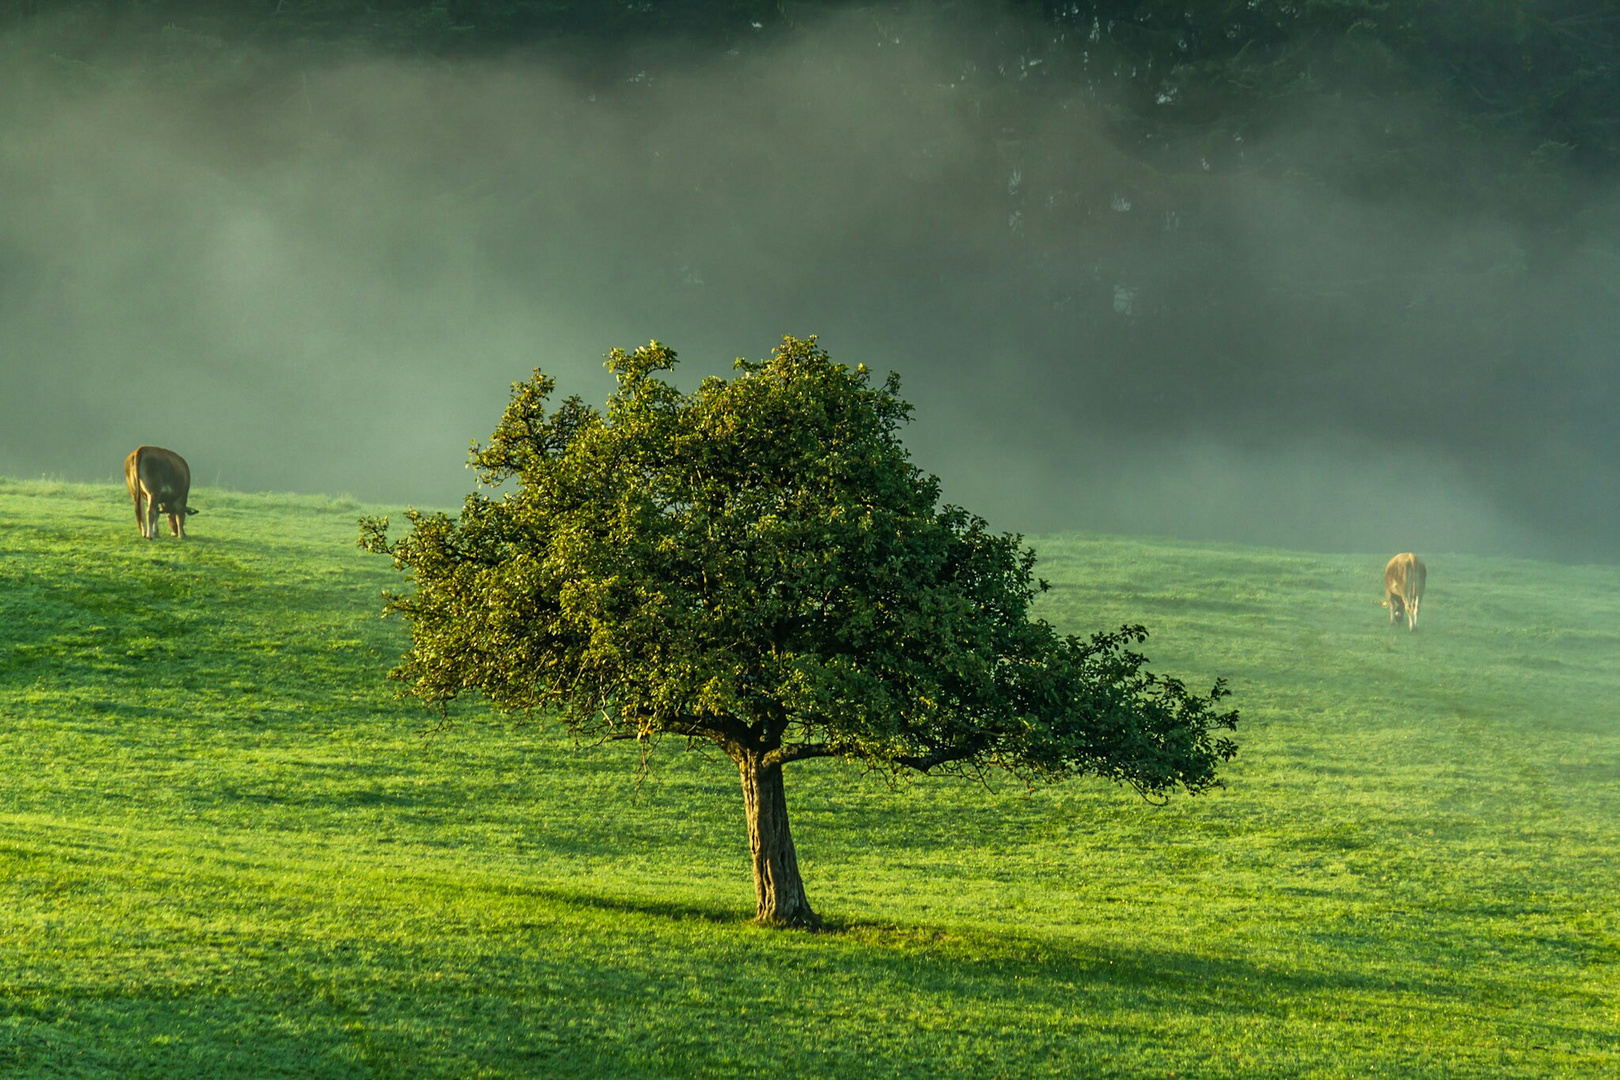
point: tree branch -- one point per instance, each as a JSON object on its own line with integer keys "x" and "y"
{"x": 941, "y": 756}
{"x": 798, "y": 752}
{"x": 722, "y": 729}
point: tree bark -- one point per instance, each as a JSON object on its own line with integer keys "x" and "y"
{"x": 777, "y": 884}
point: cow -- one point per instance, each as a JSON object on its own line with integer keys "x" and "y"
{"x": 163, "y": 479}
{"x": 1404, "y": 579}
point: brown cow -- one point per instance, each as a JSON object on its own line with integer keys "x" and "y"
{"x": 163, "y": 479}
{"x": 1404, "y": 579}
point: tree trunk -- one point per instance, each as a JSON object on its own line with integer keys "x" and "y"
{"x": 777, "y": 885}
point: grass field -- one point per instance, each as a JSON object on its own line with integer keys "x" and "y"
{"x": 227, "y": 851}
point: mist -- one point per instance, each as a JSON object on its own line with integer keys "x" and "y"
{"x": 324, "y": 277}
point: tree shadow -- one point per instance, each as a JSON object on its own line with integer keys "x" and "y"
{"x": 1018, "y": 962}
{"x": 676, "y": 910}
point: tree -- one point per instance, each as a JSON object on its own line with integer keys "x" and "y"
{"x": 759, "y": 565}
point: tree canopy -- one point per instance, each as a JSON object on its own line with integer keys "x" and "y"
{"x": 758, "y": 565}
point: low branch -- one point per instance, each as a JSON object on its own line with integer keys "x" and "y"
{"x": 941, "y": 756}
{"x": 798, "y": 752}
{"x": 722, "y": 729}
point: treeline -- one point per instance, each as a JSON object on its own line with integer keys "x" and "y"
{"x": 1211, "y": 195}
{"x": 1537, "y": 82}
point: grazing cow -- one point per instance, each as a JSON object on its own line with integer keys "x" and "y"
{"x": 1404, "y": 579}
{"x": 163, "y": 479}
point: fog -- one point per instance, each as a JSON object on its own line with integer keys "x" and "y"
{"x": 323, "y": 277}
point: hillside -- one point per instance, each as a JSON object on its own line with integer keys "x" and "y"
{"x": 226, "y": 850}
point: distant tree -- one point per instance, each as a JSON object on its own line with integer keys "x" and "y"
{"x": 758, "y": 565}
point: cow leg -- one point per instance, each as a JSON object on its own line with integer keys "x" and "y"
{"x": 177, "y": 525}
{"x": 1412, "y": 613}
{"x": 140, "y": 512}
{"x": 151, "y": 517}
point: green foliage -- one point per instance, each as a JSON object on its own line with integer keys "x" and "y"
{"x": 226, "y": 851}
{"x": 759, "y": 564}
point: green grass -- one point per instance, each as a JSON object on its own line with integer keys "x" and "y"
{"x": 227, "y": 851}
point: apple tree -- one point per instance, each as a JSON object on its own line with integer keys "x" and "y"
{"x": 759, "y": 565}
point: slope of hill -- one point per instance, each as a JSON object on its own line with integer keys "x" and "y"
{"x": 226, "y": 850}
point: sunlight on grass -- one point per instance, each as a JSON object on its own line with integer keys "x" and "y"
{"x": 226, "y": 850}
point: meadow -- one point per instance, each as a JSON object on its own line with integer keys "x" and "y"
{"x": 227, "y": 850}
